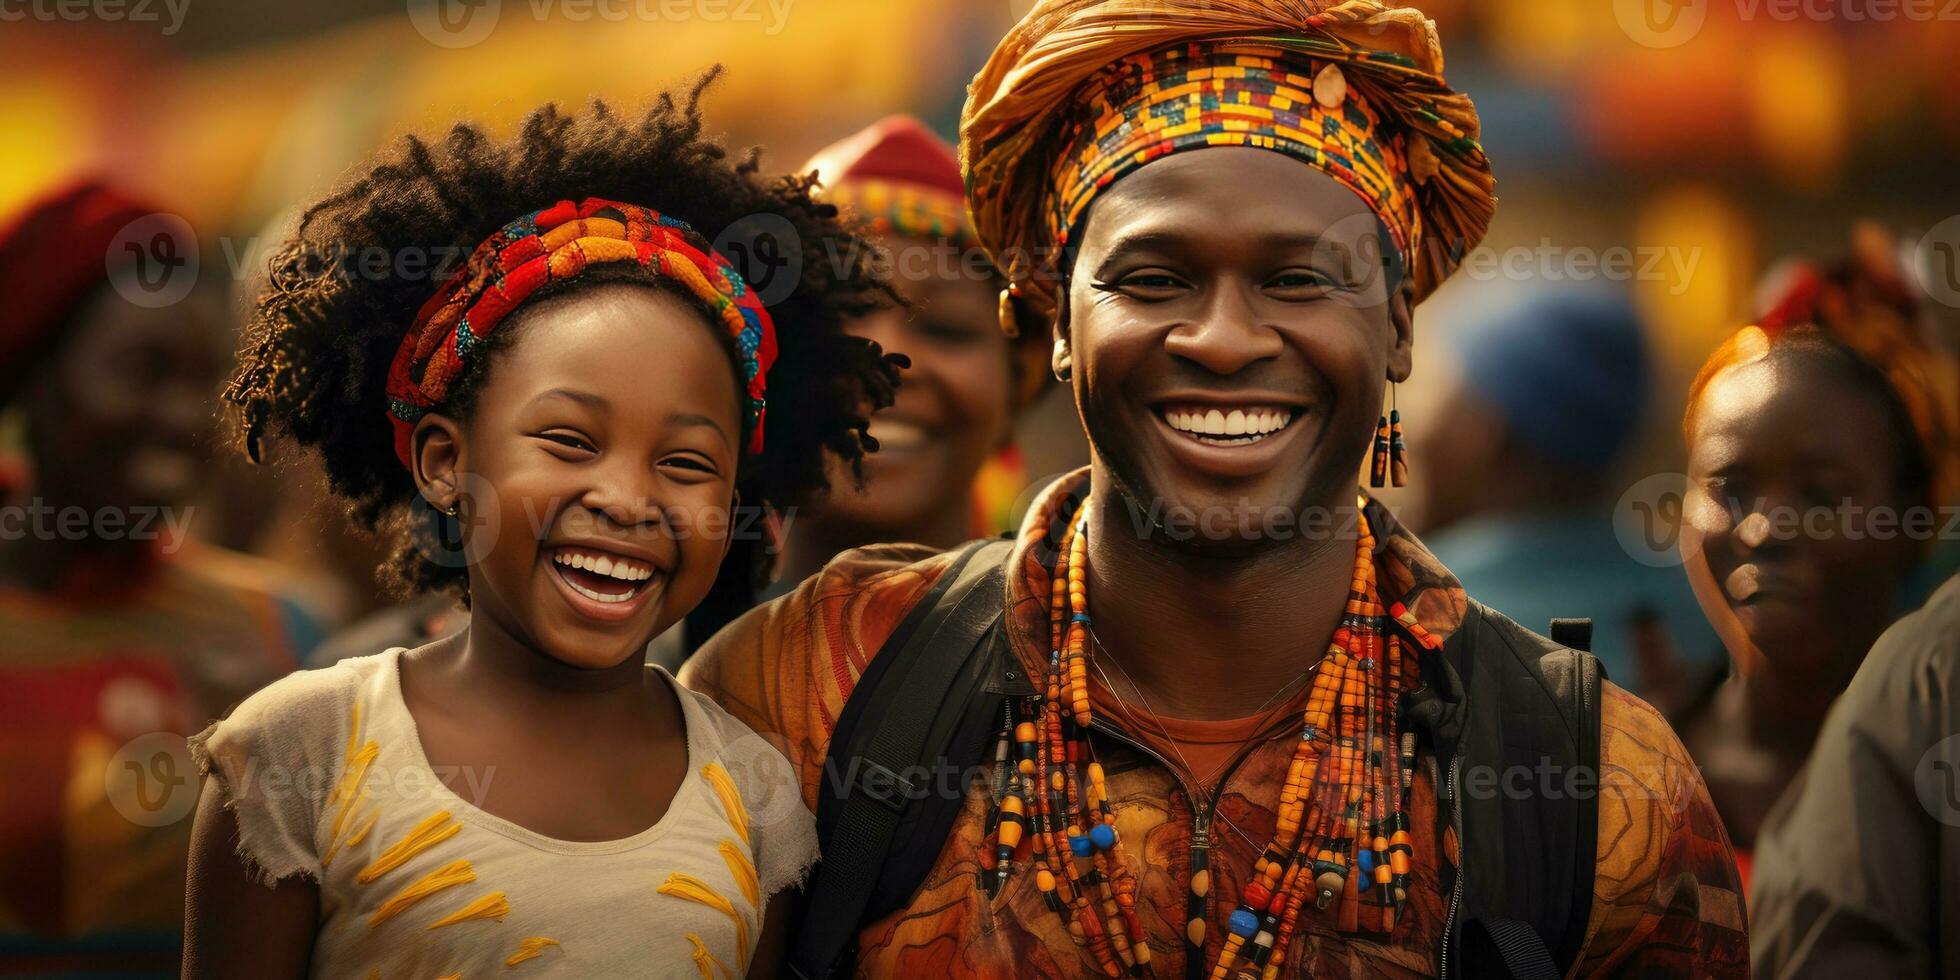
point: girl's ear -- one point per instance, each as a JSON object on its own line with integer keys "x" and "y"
{"x": 437, "y": 452}
{"x": 1401, "y": 319}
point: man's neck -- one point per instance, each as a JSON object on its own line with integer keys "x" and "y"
{"x": 1204, "y": 636}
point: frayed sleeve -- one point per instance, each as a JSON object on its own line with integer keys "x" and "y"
{"x": 276, "y": 760}
{"x": 782, "y": 831}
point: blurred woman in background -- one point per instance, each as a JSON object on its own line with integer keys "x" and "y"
{"x": 1820, "y": 447}
{"x": 118, "y": 635}
{"x": 945, "y": 448}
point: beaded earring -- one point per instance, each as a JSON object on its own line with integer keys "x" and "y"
{"x": 1388, "y": 465}
{"x": 1398, "y": 460}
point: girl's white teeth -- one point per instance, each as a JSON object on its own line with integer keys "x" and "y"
{"x": 620, "y": 569}
{"x": 601, "y": 596}
{"x": 1256, "y": 423}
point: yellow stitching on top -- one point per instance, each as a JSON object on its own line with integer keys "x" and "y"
{"x": 491, "y": 906}
{"x": 433, "y": 830}
{"x": 448, "y": 876}
{"x": 706, "y": 961}
{"x": 731, "y": 801}
{"x": 531, "y": 948}
{"x": 685, "y": 886}
{"x": 361, "y": 829}
{"x": 744, "y": 872}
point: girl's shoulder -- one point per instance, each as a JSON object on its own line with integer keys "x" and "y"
{"x": 754, "y": 786}
{"x": 277, "y": 756}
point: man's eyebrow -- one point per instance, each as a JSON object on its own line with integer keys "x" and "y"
{"x": 1158, "y": 240}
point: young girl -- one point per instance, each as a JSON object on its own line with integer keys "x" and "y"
{"x": 578, "y": 405}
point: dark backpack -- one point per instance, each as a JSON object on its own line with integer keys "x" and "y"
{"x": 927, "y": 706}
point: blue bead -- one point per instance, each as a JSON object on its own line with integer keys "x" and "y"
{"x": 1080, "y": 618}
{"x": 1366, "y": 862}
{"x": 1243, "y": 923}
{"x": 1103, "y": 836}
{"x": 1079, "y": 844}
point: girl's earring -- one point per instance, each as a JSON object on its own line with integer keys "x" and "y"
{"x": 451, "y": 509}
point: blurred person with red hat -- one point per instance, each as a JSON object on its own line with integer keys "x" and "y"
{"x": 118, "y": 635}
{"x": 946, "y": 469}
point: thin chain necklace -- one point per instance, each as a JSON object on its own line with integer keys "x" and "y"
{"x": 1204, "y": 787}
{"x": 1341, "y": 828}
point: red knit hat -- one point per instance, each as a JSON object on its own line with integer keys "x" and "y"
{"x": 53, "y": 255}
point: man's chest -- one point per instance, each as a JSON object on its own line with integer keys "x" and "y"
{"x": 954, "y": 927}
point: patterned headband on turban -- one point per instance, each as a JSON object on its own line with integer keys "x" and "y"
{"x": 1196, "y": 95}
{"x": 1084, "y": 92}
{"x": 557, "y": 244}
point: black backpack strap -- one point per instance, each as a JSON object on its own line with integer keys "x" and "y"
{"x": 915, "y": 723}
{"x": 1534, "y": 702}
{"x": 1506, "y": 948}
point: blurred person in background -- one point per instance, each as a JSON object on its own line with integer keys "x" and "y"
{"x": 114, "y": 625}
{"x": 958, "y": 400}
{"x": 1814, "y": 438}
{"x": 1518, "y": 486}
{"x": 1859, "y": 870}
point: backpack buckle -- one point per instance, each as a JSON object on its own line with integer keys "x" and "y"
{"x": 883, "y": 785}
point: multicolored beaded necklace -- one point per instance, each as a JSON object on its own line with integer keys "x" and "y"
{"x": 1342, "y": 826}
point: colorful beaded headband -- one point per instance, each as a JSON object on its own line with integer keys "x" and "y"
{"x": 1230, "y": 93}
{"x": 554, "y": 245}
{"x": 891, "y": 207}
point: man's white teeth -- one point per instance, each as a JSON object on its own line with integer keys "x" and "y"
{"x": 1256, "y": 423}
{"x": 619, "y": 568}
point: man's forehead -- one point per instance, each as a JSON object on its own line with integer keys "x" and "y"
{"x": 1235, "y": 191}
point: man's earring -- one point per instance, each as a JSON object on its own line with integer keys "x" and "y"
{"x": 451, "y": 509}
{"x": 1390, "y": 464}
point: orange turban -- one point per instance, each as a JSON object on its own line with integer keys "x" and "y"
{"x": 1244, "y": 72}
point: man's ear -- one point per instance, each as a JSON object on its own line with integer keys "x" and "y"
{"x": 1061, "y": 358}
{"x": 436, "y": 449}
{"x": 1401, "y": 319}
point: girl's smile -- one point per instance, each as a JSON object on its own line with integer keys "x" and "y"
{"x": 604, "y": 584}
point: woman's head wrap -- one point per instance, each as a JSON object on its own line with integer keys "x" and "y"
{"x": 1083, "y": 92}
{"x": 554, "y": 245}
{"x": 54, "y": 253}
{"x": 1862, "y": 306}
{"x": 899, "y": 178}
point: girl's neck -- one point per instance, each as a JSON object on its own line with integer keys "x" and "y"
{"x": 501, "y": 671}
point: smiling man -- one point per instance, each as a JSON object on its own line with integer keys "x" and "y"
{"x": 1232, "y": 720}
